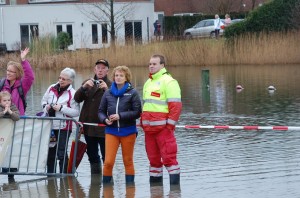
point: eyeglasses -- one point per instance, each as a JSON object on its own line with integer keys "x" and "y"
{"x": 63, "y": 79}
{"x": 9, "y": 71}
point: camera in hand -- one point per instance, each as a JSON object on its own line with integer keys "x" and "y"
{"x": 51, "y": 111}
{"x": 97, "y": 82}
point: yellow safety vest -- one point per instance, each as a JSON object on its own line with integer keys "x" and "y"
{"x": 160, "y": 90}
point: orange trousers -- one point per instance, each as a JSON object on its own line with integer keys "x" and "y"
{"x": 112, "y": 144}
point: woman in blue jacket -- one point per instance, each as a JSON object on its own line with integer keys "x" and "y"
{"x": 119, "y": 108}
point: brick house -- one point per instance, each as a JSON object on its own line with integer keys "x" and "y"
{"x": 171, "y": 7}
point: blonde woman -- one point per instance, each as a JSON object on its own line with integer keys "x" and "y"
{"x": 19, "y": 77}
{"x": 227, "y": 20}
{"x": 119, "y": 108}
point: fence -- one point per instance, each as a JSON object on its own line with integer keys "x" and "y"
{"x": 25, "y": 145}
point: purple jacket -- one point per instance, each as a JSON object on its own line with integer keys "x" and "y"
{"x": 27, "y": 81}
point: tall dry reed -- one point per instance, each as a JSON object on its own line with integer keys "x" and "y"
{"x": 272, "y": 48}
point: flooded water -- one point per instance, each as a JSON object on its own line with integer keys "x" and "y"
{"x": 214, "y": 162}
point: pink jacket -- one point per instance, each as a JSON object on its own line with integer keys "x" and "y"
{"x": 27, "y": 81}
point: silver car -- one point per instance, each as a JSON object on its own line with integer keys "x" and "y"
{"x": 204, "y": 28}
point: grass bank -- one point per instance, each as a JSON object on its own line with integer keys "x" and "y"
{"x": 275, "y": 48}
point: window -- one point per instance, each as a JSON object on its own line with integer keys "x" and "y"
{"x": 138, "y": 32}
{"x": 133, "y": 33}
{"x": 58, "y": 29}
{"x": 13, "y": 2}
{"x": 104, "y": 33}
{"x": 200, "y": 24}
{"x": 28, "y": 34}
{"x": 65, "y": 28}
{"x": 70, "y": 31}
{"x": 45, "y": 1}
{"x": 209, "y": 23}
{"x": 94, "y": 34}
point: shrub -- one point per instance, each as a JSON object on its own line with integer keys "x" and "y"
{"x": 275, "y": 16}
{"x": 63, "y": 40}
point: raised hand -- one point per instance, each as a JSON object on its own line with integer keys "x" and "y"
{"x": 24, "y": 53}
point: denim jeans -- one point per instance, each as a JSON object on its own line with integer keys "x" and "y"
{"x": 93, "y": 144}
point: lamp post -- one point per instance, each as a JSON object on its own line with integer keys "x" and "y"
{"x": 244, "y": 9}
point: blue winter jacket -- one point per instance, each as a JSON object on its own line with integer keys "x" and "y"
{"x": 125, "y": 102}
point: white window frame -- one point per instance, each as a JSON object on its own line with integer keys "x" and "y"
{"x": 48, "y": 1}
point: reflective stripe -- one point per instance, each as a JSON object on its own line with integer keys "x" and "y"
{"x": 174, "y": 169}
{"x": 156, "y": 102}
{"x": 154, "y": 123}
{"x": 145, "y": 122}
{"x": 173, "y": 122}
{"x": 155, "y": 169}
{"x": 174, "y": 100}
{"x": 156, "y": 172}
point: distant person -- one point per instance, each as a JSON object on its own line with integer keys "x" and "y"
{"x": 157, "y": 29}
{"x": 18, "y": 81}
{"x": 217, "y": 24}
{"x": 119, "y": 108}
{"x": 90, "y": 93}
{"x": 227, "y": 20}
{"x": 58, "y": 101}
{"x": 7, "y": 108}
{"x": 161, "y": 111}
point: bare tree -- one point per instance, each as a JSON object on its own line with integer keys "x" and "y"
{"x": 253, "y": 4}
{"x": 221, "y": 6}
{"x": 106, "y": 11}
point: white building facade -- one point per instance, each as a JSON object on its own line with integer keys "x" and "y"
{"x": 20, "y": 24}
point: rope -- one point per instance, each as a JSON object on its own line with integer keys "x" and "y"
{"x": 277, "y": 128}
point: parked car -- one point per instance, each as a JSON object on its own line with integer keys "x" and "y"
{"x": 204, "y": 28}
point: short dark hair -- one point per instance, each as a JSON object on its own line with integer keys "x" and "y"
{"x": 161, "y": 58}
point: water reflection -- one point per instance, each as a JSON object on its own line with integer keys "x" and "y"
{"x": 214, "y": 162}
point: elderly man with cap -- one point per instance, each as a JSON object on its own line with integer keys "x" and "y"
{"x": 90, "y": 93}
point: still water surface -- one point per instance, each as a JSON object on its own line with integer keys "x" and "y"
{"x": 214, "y": 162}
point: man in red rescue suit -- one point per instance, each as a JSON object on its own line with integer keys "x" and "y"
{"x": 161, "y": 111}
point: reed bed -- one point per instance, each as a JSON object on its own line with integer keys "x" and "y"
{"x": 272, "y": 48}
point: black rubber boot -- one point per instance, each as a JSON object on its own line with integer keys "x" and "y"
{"x": 96, "y": 168}
{"x": 129, "y": 179}
{"x": 107, "y": 179}
{"x": 154, "y": 181}
{"x": 174, "y": 179}
{"x": 11, "y": 177}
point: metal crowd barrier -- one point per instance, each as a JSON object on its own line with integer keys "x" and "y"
{"x": 24, "y": 146}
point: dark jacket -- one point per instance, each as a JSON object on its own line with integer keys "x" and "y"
{"x": 127, "y": 105}
{"x": 89, "y": 112}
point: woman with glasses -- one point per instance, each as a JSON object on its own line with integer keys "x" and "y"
{"x": 58, "y": 101}
{"x": 19, "y": 79}
{"x": 19, "y": 75}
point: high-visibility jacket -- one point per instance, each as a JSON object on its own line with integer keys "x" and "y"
{"x": 162, "y": 102}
